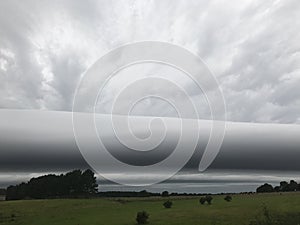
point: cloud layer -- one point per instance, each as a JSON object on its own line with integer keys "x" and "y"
{"x": 251, "y": 46}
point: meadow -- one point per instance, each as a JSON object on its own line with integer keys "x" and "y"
{"x": 122, "y": 211}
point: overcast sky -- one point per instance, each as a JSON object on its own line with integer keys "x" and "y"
{"x": 252, "y": 47}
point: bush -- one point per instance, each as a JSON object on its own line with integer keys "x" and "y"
{"x": 202, "y": 200}
{"x": 142, "y": 217}
{"x": 207, "y": 199}
{"x": 228, "y": 198}
{"x": 168, "y": 204}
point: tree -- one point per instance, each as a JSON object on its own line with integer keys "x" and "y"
{"x": 89, "y": 182}
{"x": 168, "y": 204}
{"x": 16, "y": 192}
{"x": 277, "y": 189}
{"x": 165, "y": 194}
{"x": 283, "y": 186}
{"x": 74, "y": 183}
{"x": 2, "y": 191}
{"x": 265, "y": 188}
{"x": 144, "y": 193}
{"x": 228, "y": 198}
{"x": 142, "y": 217}
{"x": 293, "y": 186}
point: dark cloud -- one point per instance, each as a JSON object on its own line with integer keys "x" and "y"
{"x": 44, "y": 141}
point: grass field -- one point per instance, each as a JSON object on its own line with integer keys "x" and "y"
{"x": 185, "y": 211}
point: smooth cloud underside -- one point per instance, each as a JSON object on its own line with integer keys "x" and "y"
{"x": 36, "y": 142}
{"x": 251, "y": 46}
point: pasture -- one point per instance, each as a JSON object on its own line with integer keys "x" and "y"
{"x": 122, "y": 211}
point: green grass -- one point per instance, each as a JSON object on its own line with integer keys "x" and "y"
{"x": 185, "y": 211}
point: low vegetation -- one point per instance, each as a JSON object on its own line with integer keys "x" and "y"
{"x": 207, "y": 199}
{"x": 168, "y": 204}
{"x": 283, "y": 209}
{"x": 228, "y": 198}
{"x": 265, "y": 217}
{"x": 142, "y": 217}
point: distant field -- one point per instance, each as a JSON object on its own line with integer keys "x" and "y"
{"x": 185, "y": 211}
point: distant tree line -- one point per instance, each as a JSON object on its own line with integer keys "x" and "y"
{"x": 143, "y": 193}
{"x": 72, "y": 184}
{"x": 283, "y": 187}
{"x": 2, "y": 191}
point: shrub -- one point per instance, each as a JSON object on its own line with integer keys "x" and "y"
{"x": 168, "y": 204}
{"x": 202, "y": 200}
{"x": 207, "y": 199}
{"x": 228, "y": 198}
{"x": 142, "y": 217}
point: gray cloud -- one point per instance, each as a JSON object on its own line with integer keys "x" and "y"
{"x": 252, "y": 47}
{"x": 40, "y": 141}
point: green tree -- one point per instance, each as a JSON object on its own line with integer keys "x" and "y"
{"x": 74, "y": 183}
{"x": 265, "y": 188}
{"x": 89, "y": 182}
{"x": 283, "y": 186}
{"x": 293, "y": 186}
{"x": 165, "y": 194}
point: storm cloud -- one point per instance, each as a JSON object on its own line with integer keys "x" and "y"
{"x": 36, "y": 141}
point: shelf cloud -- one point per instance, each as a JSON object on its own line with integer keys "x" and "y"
{"x": 35, "y": 141}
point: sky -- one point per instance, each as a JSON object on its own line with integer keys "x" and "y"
{"x": 251, "y": 47}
